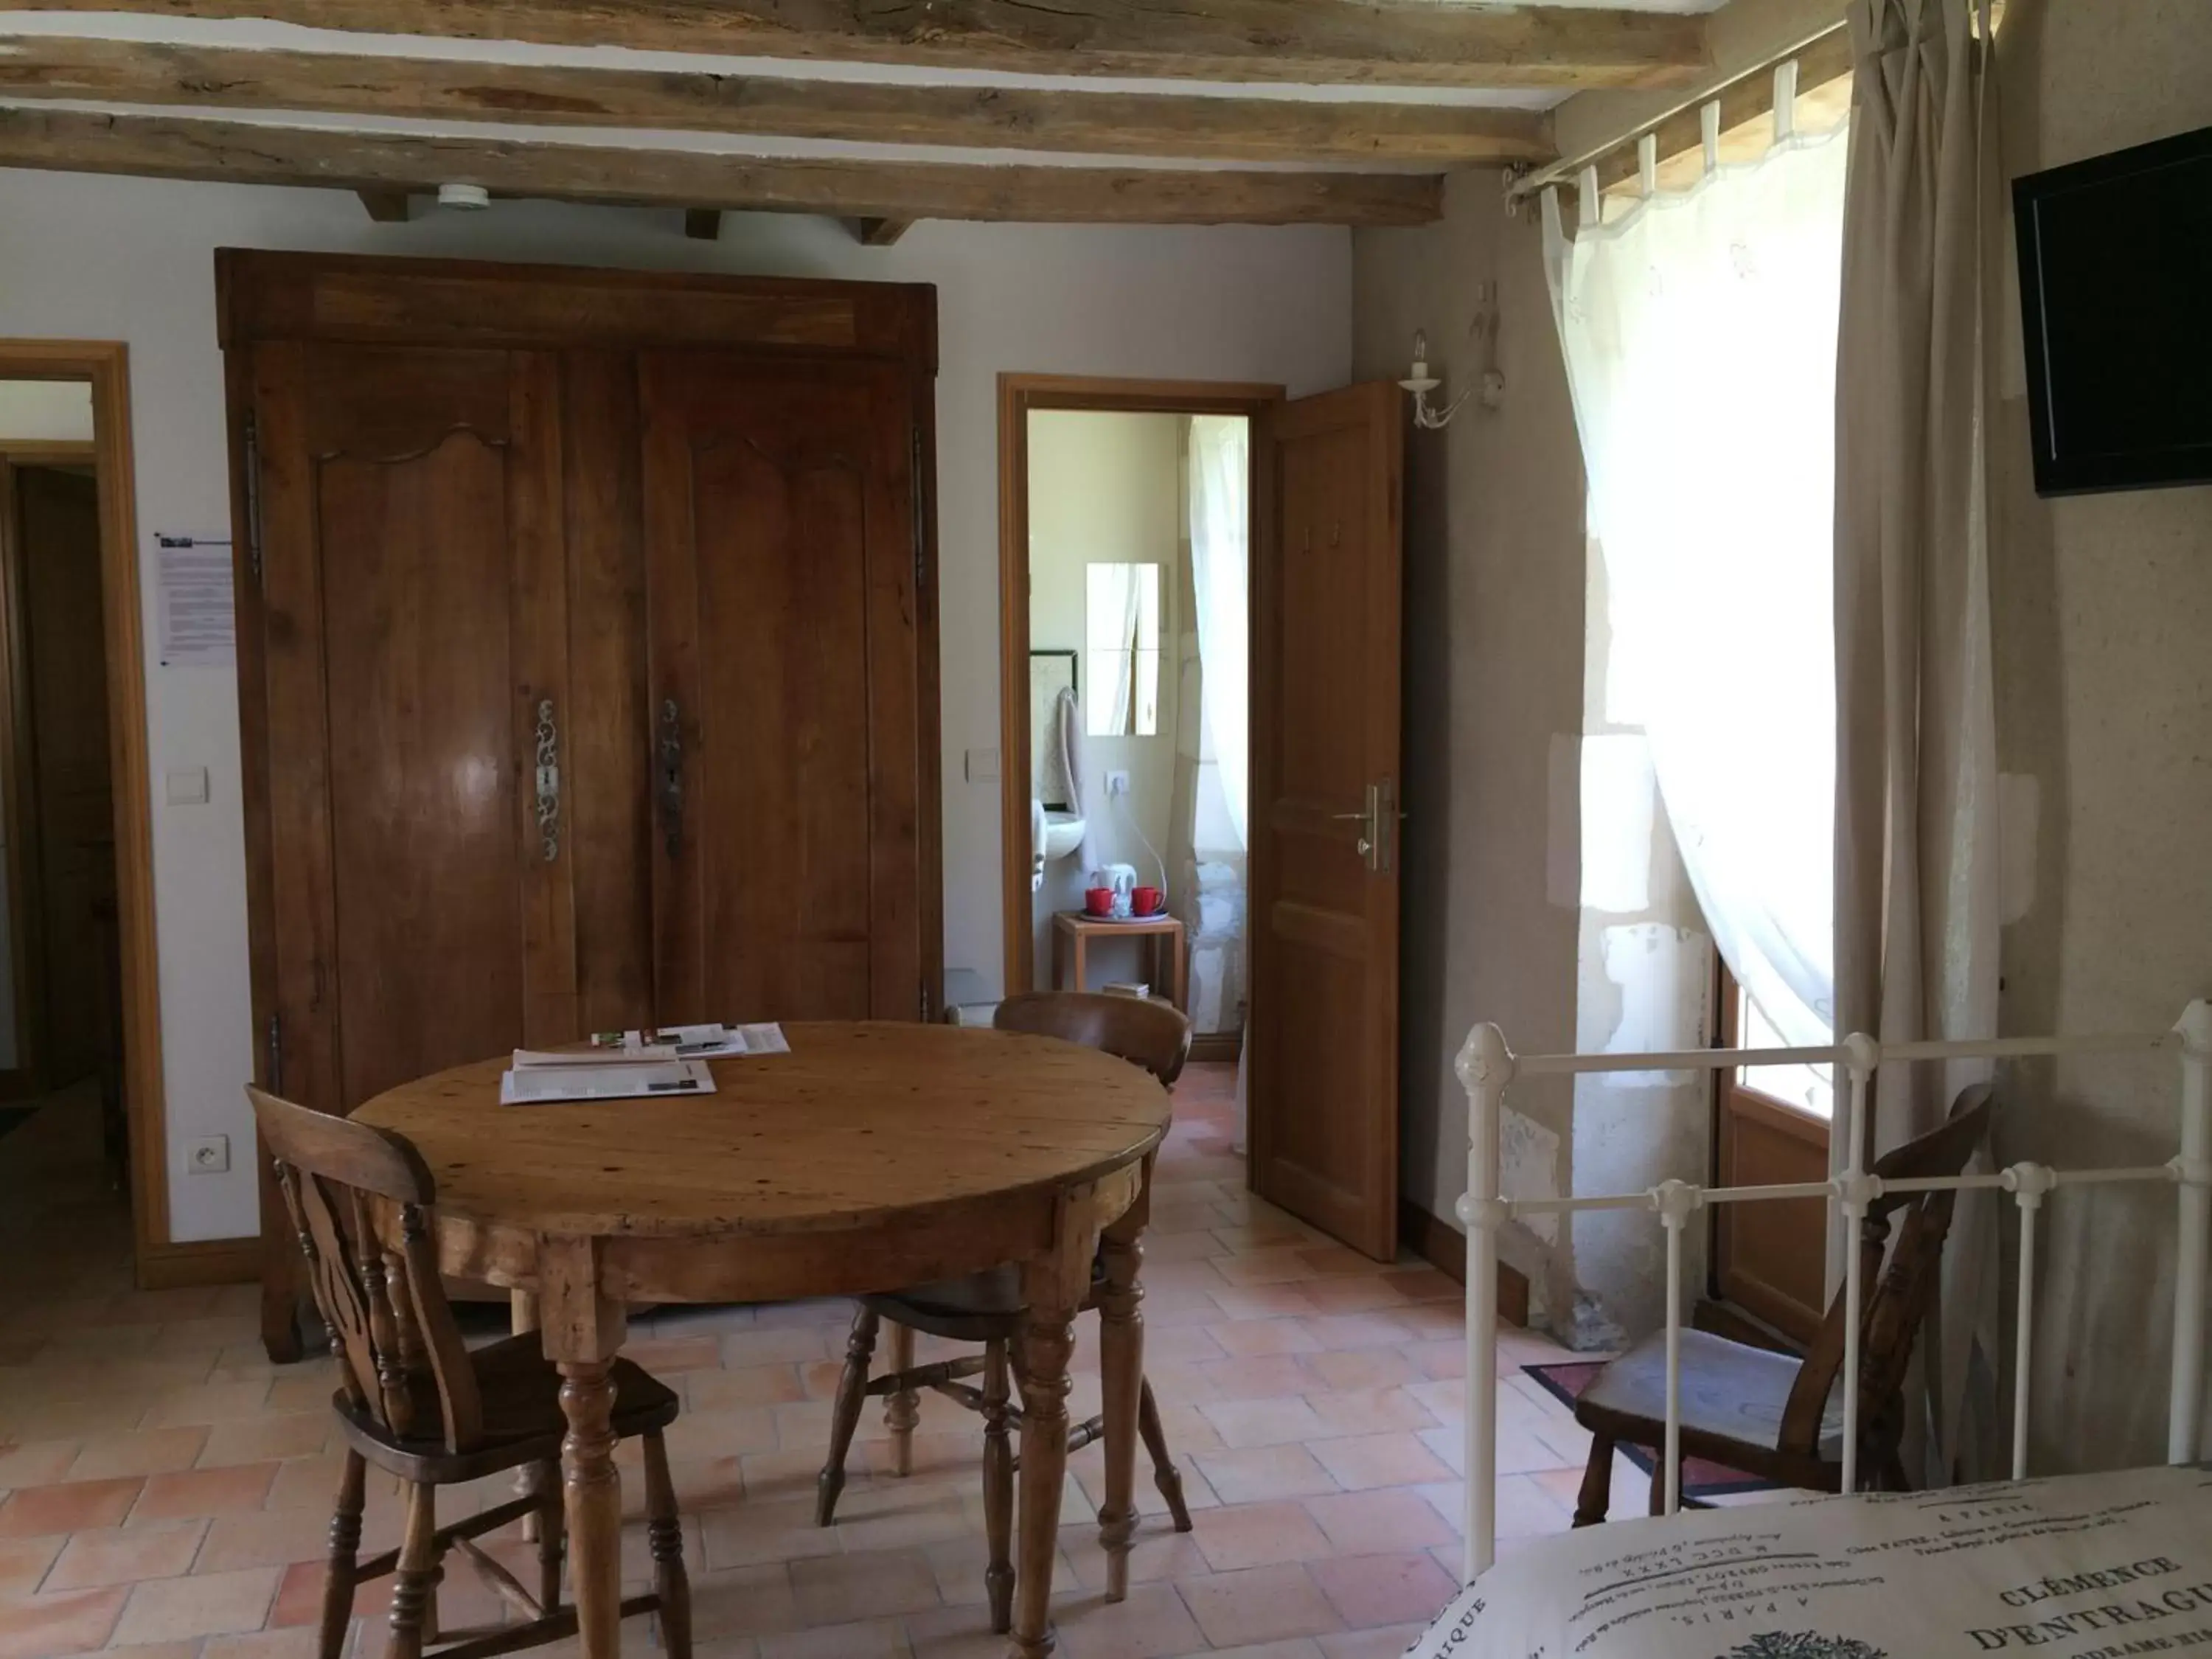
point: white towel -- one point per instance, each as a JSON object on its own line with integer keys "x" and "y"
{"x": 1067, "y": 717}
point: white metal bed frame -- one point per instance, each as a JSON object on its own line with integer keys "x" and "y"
{"x": 1486, "y": 1065}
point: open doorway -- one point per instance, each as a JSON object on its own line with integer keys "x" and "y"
{"x": 80, "y": 1106}
{"x": 1127, "y": 715}
{"x": 1315, "y": 905}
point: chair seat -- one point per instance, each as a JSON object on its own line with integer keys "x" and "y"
{"x": 1731, "y": 1395}
{"x": 983, "y": 1307}
{"x": 522, "y": 1418}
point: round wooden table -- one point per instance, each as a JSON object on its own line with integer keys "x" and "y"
{"x": 872, "y": 1157}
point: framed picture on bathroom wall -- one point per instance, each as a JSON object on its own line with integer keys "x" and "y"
{"x": 1051, "y": 672}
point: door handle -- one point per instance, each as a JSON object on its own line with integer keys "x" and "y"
{"x": 1370, "y": 820}
{"x": 672, "y": 775}
{"x": 1377, "y": 820}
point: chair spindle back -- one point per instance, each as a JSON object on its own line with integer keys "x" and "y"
{"x": 400, "y": 1354}
{"x": 1897, "y": 1300}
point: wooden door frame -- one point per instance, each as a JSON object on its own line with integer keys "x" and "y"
{"x": 26, "y": 933}
{"x": 1019, "y": 395}
{"x": 105, "y": 365}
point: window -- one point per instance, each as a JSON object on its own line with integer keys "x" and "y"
{"x": 1122, "y": 638}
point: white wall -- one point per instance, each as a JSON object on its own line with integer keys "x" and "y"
{"x": 53, "y": 411}
{"x": 129, "y": 259}
{"x": 2101, "y": 606}
{"x": 1495, "y": 580}
{"x": 1107, "y": 489}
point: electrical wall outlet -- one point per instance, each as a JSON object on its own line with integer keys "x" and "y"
{"x": 1117, "y": 783}
{"x": 208, "y": 1156}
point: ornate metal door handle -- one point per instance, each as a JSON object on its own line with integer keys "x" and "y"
{"x": 672, "y": 775}
{"x": 548, "y": 783}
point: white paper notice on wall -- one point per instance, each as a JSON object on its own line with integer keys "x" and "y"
{"x": 199, "y": 622}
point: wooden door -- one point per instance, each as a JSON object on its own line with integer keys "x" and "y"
{"x": 1325, "y": 750}
{"x": 782, "y": 546}
{"x": 69, "y": 909}
{"x": 411, "y": 637}
{"x": 1769, "y": 1260}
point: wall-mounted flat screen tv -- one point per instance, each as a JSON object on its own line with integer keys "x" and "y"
{"x": 2116, "y": 303}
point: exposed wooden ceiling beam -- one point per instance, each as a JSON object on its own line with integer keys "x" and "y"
{"x": 386, "y": 207}
{"x": 879, "y": 233}
{"x": 167, "y": 147}
{"x": 703, "y": 224}
{"x": 1320, "y": 42}
{"x": 1006, "y": 117}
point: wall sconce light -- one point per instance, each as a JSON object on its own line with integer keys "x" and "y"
{"x": 1420, "y": 383}
{"x": 470, "y": 198}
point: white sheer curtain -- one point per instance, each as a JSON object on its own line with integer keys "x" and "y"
{"x": 1220, "y": 567}
{"x": 1220, "y": 560}
{"x": 1699, "y": 336}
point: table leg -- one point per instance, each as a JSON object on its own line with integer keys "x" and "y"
{"x": 593, "y": 1488}
{"x": 1179, "y": 969}
{"x": 1052, "y": 1287}
{"x": 1122, "y": 1365}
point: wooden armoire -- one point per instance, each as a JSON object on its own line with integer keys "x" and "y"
{"x": 587, "y": 659}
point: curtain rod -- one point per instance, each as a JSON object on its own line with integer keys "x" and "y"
{"x": 1823, "y": 57}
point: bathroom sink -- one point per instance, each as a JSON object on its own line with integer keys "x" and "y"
{"x": 1063, "y": 834}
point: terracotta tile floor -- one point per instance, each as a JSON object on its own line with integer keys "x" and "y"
{"x": 164, "y": 1490}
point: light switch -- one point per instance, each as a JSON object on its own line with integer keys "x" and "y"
{"x": 188, "y": 787}
{"x": 982, "y": 765}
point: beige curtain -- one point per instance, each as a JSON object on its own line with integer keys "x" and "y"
{"x": 1916, "y": 772}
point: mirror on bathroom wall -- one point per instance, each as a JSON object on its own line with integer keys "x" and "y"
{"x": 1051, "y": 673}
{"x": 1121, "y": 636}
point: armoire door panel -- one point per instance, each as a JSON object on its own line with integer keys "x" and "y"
{"x": 606, "y": 741}
{"x": 416, "y": 592}
{"x": 779, "y": 528}
{"x": 420, "y": 656}
{"x": 542, "y": 705}
{"x": 300, "y": 1049}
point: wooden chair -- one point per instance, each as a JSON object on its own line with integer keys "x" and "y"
{"x": 987, "y": 1308}
{"x": 1769, "y": 1414}
{"x": 418, "y": 1404}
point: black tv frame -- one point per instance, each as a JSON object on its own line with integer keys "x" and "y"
{"x": 2055, "y": 475}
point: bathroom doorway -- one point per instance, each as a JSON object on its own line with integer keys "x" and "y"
{"x": 1126, "y": 555}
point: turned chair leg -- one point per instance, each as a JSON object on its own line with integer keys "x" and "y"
{"x": 1596, "y": 1496}
{"x": 845, "y": 1414}
{"x": 903, "y": 1410}
{"x": 338, "y": 1580}
{"x": 998, "y": 1488}
{"x": 1165, "y": 1475}
{"x": 546, "y": 1487}
{"x": 415, "y": 1585}
{"x": 664, "y": 1534}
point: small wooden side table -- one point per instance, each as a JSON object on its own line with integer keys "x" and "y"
{"x": 1074, "y": 930}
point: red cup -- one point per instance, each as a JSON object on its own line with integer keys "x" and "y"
{"x": 1147, "y": 901}
{"x": 1098, "y": 901}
